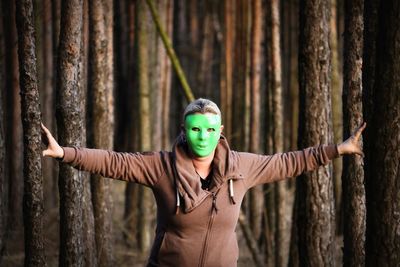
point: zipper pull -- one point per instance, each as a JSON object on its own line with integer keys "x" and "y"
{"x": 214, "y": 203}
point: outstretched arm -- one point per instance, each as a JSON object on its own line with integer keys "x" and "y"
{"x": 142, "y": 168}
{"x": 264, "y": 169}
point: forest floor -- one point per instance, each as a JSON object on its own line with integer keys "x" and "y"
{"x": 125, "y": 256}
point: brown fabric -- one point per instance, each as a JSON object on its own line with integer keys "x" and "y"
{"x": 203, "y": 232}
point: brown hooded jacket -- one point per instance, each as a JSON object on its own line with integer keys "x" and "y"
{"x": 196, "y": 227}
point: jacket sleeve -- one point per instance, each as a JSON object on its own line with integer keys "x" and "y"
{"x": 260, "y": 169}
{"x": 143, "y": 168}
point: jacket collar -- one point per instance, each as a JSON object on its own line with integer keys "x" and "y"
{"x": 187, "y": 180}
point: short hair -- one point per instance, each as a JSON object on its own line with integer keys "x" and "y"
{"x": 201, "y": 105}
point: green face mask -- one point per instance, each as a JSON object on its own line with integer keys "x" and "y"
{"x": 202, "y": 133}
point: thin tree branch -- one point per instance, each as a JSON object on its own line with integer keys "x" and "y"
{"x": 171, "y": 52}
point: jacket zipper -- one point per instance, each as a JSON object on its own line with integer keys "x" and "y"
{"x": 210, "y": 223}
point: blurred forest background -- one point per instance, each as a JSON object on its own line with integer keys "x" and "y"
{"x": 286, "y": 75}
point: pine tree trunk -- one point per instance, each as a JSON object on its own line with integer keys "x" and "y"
{"x": 101, "y": 98}
{"x": 226, "y": 68}
{"x": 282, "y": 193}
{"x": 89, "y": 243}
{"x": 69, "y": 124}
{"x": 269, "y": 196}
{"x": 337, "y": 114}
{"x": 383, "y": 157}
{"x": 131, "y": 192}
{"x": 293, "y": 257}
{"x": 256, "y": 194}
{"x": 166, "y": 74}
{"x": 353, "y": 172}
{"x": 316, "y": 201}
{"x": 371, "y": 18}
{"x": 30, "y": 106}
{"x": 145, "y": 199}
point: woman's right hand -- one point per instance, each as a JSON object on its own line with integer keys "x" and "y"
{"x": 54, "y": 150}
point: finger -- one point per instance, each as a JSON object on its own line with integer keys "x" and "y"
{"x": 43, "y": 127}
{"x": 46, "y": 130}
{"x": 360, "y": 130}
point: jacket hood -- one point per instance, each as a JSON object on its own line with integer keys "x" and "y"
{"x": 188, "y": 181}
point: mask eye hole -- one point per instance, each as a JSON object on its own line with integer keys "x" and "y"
{"x": 211, "y": 129}
{"x": 196, "y": 129}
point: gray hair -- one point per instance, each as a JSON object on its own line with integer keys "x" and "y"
{"x": 202, "y": 106}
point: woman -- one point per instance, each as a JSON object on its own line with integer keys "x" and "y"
{"x": 199, "y": 186}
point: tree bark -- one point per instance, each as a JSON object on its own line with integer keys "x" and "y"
{"x": 316, "y": 200}
{"x": 337, "y": 113}
{"x": 131, "y": 192}
{"x": 31, "y": 118}
{"x": 102, "y": 121}
{"x": 382, "y": 160}
{"x": 89, "y": 243}
{"x": 353, "y": 172}
{"x": 145, "y": 199}
{"x": 227, "y": 68}
{"x": 240, "y": 76}
{"x": 69, "y": 122}
{"x": 166, "y": 74}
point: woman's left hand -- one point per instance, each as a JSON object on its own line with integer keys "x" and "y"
{"x": 352, "y": 144}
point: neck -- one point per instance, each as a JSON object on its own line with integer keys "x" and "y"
{"x": 203, "y": 165}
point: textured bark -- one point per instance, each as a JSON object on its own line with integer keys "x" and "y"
{"x": 14, "y": 146}
{"x": 353, "y": 172}
{"x": 337, "y": 113}
{"x": 383, "y": 169}
{"x": 315, "y": 189}
{"x": 31, "y": 118}
{"x": 102, "y": 121}
{"x": 3, "y": 177}
{"x": 69, "y": 123}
